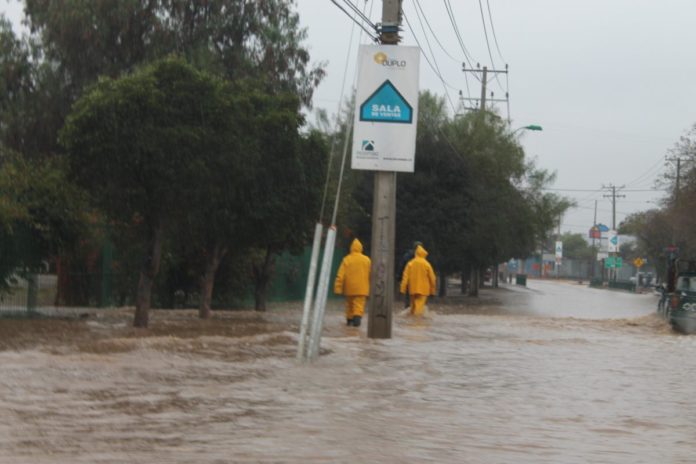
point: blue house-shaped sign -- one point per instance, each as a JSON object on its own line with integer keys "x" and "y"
{"x": 386, "y": 104}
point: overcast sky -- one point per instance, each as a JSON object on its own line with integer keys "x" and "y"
{"x": 612, "y": 82}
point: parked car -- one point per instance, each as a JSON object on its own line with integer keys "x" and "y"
{"x": 682, "y": 312}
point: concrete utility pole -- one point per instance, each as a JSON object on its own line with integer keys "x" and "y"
{"x": 613, "y": 197}
{"x": 484, "y": 81}
{"x": 678, "y": 178}
{"x": 384, "y": 213}
{"x": 484, "y": 86}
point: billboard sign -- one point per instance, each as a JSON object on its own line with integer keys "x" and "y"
{"x": 384, "y": 135}
{"x": 612, "y": 242}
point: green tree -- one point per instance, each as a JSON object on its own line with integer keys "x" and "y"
{"x": 134, "y": 143}
{"x": 41, "y": 214}
{"x": 576, "y": 247}
{"x": 653, "y": 231}
{"x": 287, "y": 193}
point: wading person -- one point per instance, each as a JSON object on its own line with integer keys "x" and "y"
{"x": 419, "y": 280}
{"x": 353, "y": 281}
{"x": 408, "y": 256}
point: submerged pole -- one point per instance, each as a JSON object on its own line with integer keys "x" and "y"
{"x": 309, "y": 293}
{"x": 322, "y": 292}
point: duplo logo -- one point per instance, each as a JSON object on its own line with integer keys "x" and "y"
{"x": 381, "y": 58}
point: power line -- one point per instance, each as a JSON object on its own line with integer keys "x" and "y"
{"x": 434, "y": 68}
{"x": 599, "y": 190}
{"x": 495, "y": 38}
{"x": 485, "y": 33}
{"x": 367, "y": 31}
{"x": 450, "y": 13}
{"x": 425, "y": 17}
{"x": 359, "y": 13}
{"x": 439, "y": 73}
{"x": 647, "y": 173}
{"x": 488, "y": 44}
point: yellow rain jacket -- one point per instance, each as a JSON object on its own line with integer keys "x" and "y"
{"x": 353, "y": 278}
{"x": 418, "y": 277}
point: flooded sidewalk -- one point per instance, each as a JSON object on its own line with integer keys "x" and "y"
{"x": 478, "y": 382}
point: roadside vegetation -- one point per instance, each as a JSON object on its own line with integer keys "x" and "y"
{"x": 670, "y": 228}
{"x": 174, "y": 131}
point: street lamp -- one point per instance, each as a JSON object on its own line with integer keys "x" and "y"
{"x": 531, "y": 127}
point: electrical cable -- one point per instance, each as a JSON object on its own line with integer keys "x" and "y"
{"x": 649, "y": 172}
{"x": 495, "y": 38}
{"x": 360, "y": 14}
{"x": 442, "y": 80}
{"x": 467, "y": 55}
{"x": 367, "y": 31}
{"x": 439, "y": 73}
{"x": 349, "y": 128}
{"x": 333, "y": 141}
{"x": 485, "y": 33}
{"x": 425, "y": 17}
{"x": 488, "y": 45}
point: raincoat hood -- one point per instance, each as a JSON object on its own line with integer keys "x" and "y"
{"x": 356, "y": 246}
{"x": 420, "y": 252}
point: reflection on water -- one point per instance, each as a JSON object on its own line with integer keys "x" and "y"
{"x": 475, "y": 384}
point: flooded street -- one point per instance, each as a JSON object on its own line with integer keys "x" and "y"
{"x": 556, "y": 373}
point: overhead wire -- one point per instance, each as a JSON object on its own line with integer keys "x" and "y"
{"x": 349, "y": 128}
{"x": 427, "y": 41}
{"x": 360, "y": 13}
{"x": 360, "y": 24}
{"x": 453, "y": 22}
{"x": 488, "y": 45}
{"x": 433, "y": 67}
{"x": 334, "y": 137}
{"x": 647, "y": 173}
{"x": 495, "y": 37}
{"x": 425, "y": 17}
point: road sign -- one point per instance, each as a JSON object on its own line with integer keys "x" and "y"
{"x": 612, "y": 242}
{"x": 384, "y": 135}
{"x": 638, "y": 262}
{"x": 612, "y": 262}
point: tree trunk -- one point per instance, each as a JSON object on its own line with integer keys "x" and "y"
{"x": 442, "y": 279}
{"x": 475, "y": 275}
{"x": 147, "y": 277}
{"x": 466, "y": 273}
{"x": 212, "y": 263}
{"x": 495, "y": 276}
{"x": 262, "y": 277}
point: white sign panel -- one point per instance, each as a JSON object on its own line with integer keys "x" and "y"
{"x": 612, "y": 242}
{"x": 386, "y": 112}
{"x": 559, "y": 249}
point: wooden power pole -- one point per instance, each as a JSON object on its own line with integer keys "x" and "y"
{"x": 384, "y": 213}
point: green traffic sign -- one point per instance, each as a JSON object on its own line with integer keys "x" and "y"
{"x": 611, "y": 262}
{"x": 608, "y": 262}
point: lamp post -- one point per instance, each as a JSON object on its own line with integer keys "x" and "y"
{"x": 531, "y": 127}
{"x": 534, "y": 127}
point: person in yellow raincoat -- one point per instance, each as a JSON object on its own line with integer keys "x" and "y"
{"x": 353, "y": 281}
{"x": 419, "y": 279}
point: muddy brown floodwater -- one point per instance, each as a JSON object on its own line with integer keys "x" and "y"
{"x": 479, "y": 382}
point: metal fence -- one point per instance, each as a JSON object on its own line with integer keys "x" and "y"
{"x": 64, "y": 288}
